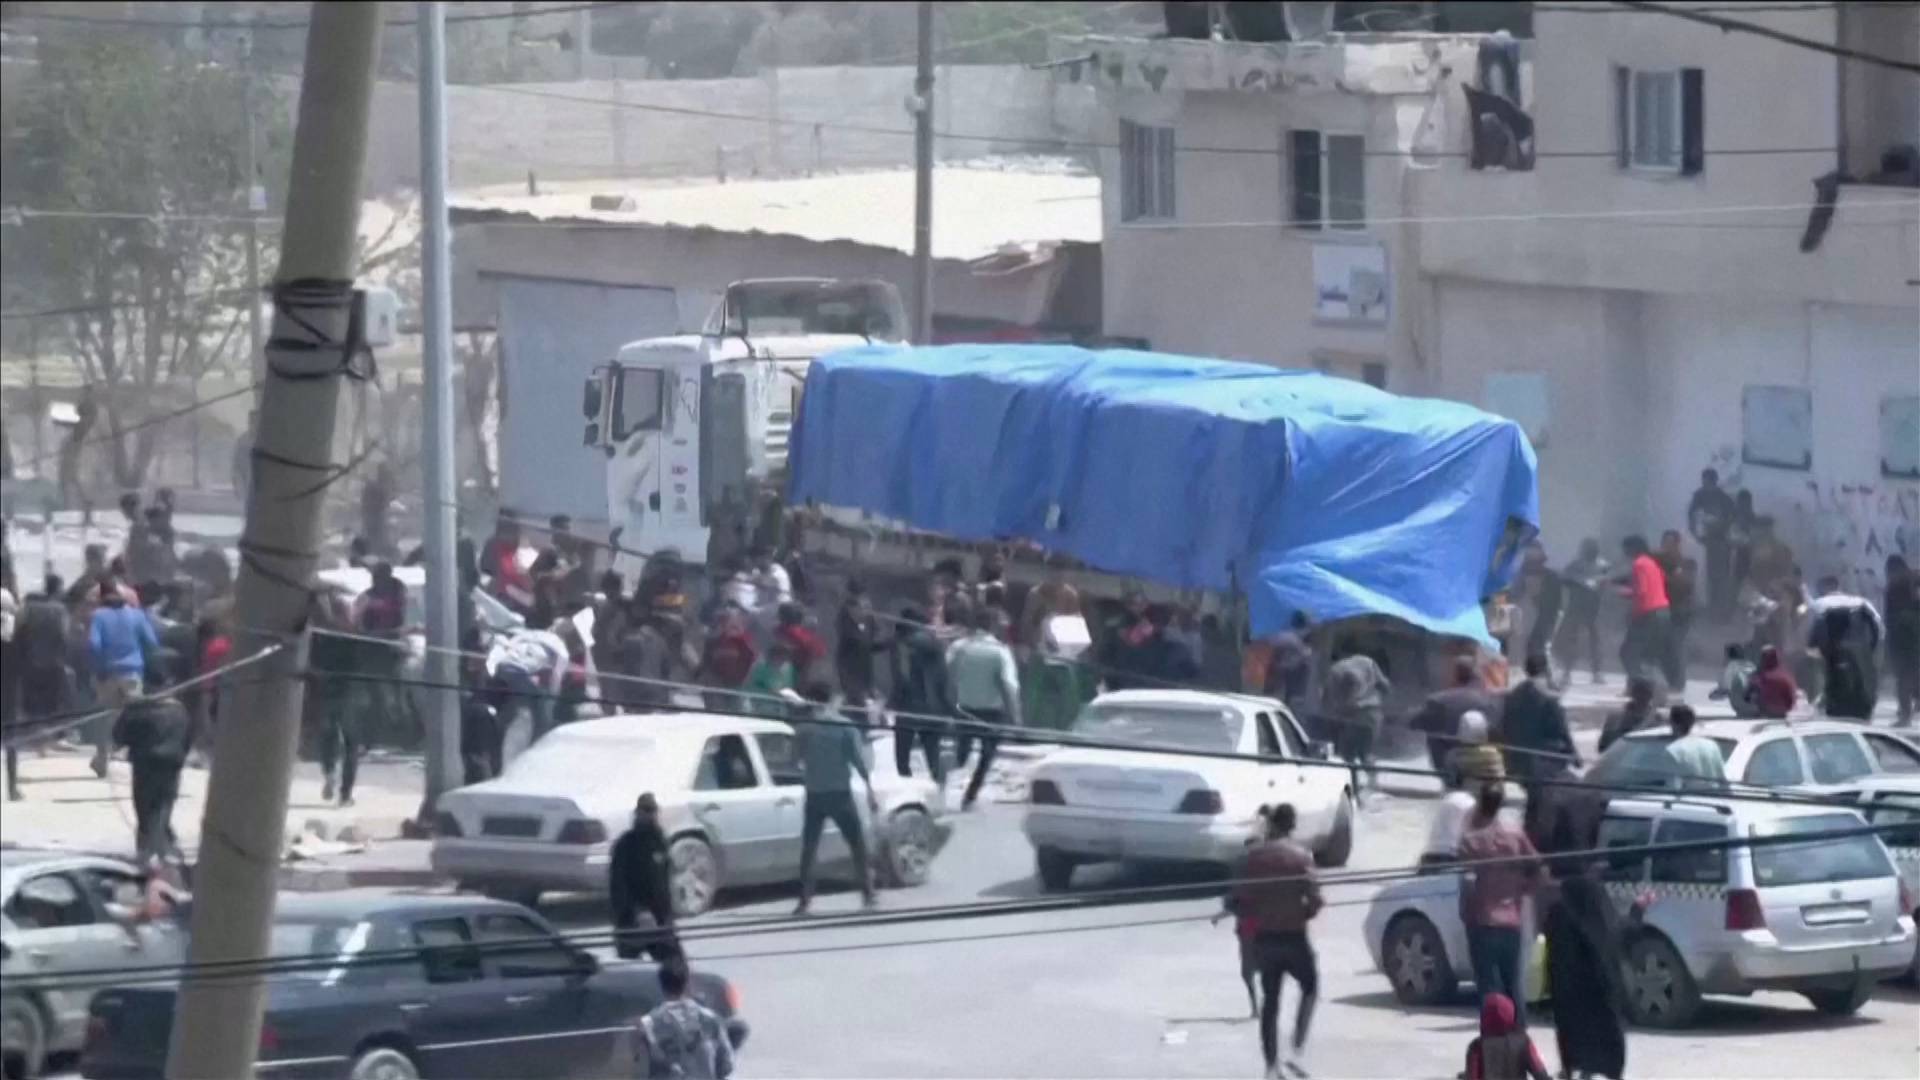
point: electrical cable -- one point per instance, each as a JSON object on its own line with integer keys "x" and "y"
{"x": 106, "y": 437}
{"x": 1724, "y": 24}
{"x": 964, "y": 910}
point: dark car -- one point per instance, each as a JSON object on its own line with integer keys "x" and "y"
{"x": 421, "y": 986}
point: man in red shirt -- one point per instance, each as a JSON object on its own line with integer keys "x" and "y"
{"x": 1649, "y": 616}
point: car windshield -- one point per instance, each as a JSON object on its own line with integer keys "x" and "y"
{"x": 1852, "y": 858}
{"x": 1175, "y": 728}
{"x": 1643, "y": 761}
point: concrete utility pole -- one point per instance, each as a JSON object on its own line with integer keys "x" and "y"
{"x": 923, "y": 181}
{"x": 256, "y": 205}
{"x": 216, "y": 1030}
{"x": 436, "y": 459}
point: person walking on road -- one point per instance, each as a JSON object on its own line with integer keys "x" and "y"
{"x": 1355, "y": 701}
{"x": 986, "y": 692}
{"x": 336, "y": 690}
{"x": 1649, "y": 613}
{"x": 1636, "y": 714}
{"x": 46, "y": 679}
{"x": 1701, "y": 766}
{"x": 1583, "y": 578}
{"x": 921, "y": 691}
{"x": 639, "y": 878}
{"x": 1439, "y": 716}
{"x": 831, "y": 752}
{"x": 681, "y": 1039}
{"x": 1534, "y": 724}
{"x": 1493, "y": 898}
{"x": 122, "y": 642}
{"x": 1710, "y": 518}
{"x": 856, "y": 641}
{"x": 1545, "y": 597}
{"x": 528, "y": 669}
{"x": 1279, "y": 895}
{"x": 157, "y": 732}
{"x": 1583, "y": 967}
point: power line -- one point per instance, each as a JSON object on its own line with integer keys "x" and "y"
{"x": 191, "y": 407}
{"x": 963, "y": 910}
{"x": 134, "y": 22}
{"x": 1741, "y": 26}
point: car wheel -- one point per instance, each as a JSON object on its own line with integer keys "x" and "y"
{"x": 909, "y": 854}
{"x": 1841, "y": 1002}
{"x": 23, "y": 1039}
{"x": 1660, "y": 991}
{"x": 1055, "y": 868}
{"x": 696, "y": 876}
{"x": 524, "y": 895}
{"x": 1416, "y": 962}
{"x": 1339, "y": 845}
{"x": 383, "y": 1063}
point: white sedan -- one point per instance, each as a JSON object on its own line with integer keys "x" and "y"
{"x": 1133, "y": 804}
{"x": 730, "y": 798}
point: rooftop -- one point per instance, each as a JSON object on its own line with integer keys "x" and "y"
{"x": 980, "y": 209}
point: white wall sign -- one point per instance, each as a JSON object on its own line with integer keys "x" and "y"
{"x": 1350, "y": 283}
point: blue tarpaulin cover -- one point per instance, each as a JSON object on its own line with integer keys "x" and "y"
{"x": 1308, "y": 492}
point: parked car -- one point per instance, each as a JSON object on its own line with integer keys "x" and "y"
{"x": 1895, "y": 800}
{"x": 1827, "y": 919}
{"x": 1808, "y": 755}
{"x": 730, "y": 798}
{"x": 55, "y": 917}
{"x": 1101, "y": 805}
{"x": 479, "y": 988}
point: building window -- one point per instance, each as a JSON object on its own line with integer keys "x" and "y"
{"x": 1146, "y": 171}
{"x": 1777, "y": 427}
{"x": 1661, "y": 119}
{"x": 1900, "y": 436}
{"x": 1329, "y": 176}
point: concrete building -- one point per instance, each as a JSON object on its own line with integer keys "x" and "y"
{"x": 1642, "y": 279}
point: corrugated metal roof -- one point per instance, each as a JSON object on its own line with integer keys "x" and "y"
{"x": 979, "y": 208}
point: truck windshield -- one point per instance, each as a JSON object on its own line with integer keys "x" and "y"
{"x": 642, "y": 395}
{"x": 866, "y": 308}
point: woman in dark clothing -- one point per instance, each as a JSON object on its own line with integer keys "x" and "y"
{"x": 1902, "y": 610}
{"x": 1583, "y": 967}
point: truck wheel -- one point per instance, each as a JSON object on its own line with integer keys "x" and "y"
{"x": 909, "y": 849}
{"x": 1660, "y": 990}
{"x": 695, "y": 876}
{"x": 383, "y": 1063}
{"x": 1339, "y": 845}
{"x": 23, "y": 1038}
{"x": 1055, "y": 868}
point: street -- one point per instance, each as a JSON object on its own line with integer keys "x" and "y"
{"x": 1053, "y": 996}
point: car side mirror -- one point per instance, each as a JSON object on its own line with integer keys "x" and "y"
{"x": 1320, "y": 750}
{"x": 584, "y": 965}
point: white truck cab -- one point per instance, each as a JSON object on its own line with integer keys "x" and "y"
{"x": 691, "y": 423}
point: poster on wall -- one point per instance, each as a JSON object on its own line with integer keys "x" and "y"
{"x": 1520, "y": 396}
{"x": 1900, "y": 436}
{"x": 1350, "y": 284}
{"x": 1777, "y": 427}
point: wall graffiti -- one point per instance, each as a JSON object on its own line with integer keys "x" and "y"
{"x": 1848, "y": 530}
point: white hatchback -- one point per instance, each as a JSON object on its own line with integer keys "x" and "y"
{"x": 1826, "y": 919}
{"x": 1133, "y": 804}
{"x": 730, "y": 793}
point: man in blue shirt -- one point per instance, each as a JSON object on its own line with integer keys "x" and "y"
{"x": 122, "y": 640}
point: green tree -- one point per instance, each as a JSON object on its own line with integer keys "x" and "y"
{"x": 127, "y": 157}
